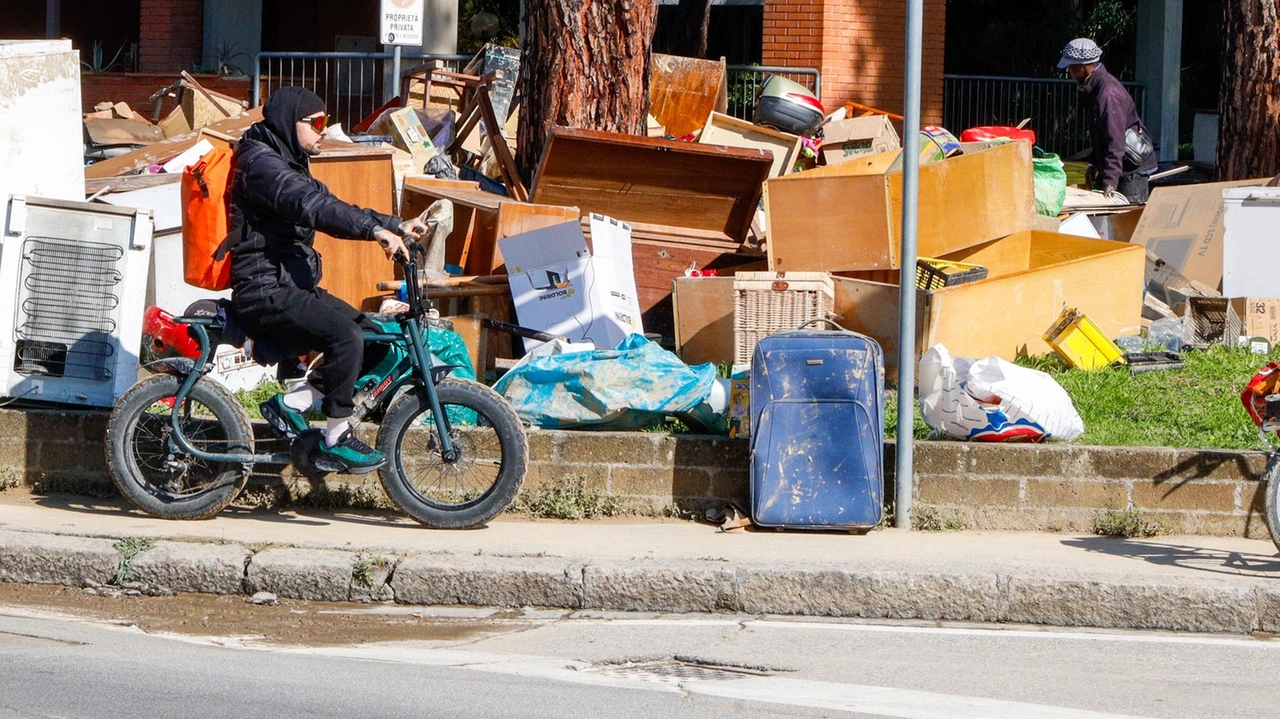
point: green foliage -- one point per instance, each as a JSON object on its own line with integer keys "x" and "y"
{"x": 9, "y": 479}
{"x": 130, "y": 547}
{"x": 1128, "y": 523}
{"x": 98, "y": 63}
{"x": 251, "y": 398}
{"x": 508, "y": 14}
{"x": 925, "y": 518}
{"x": 567, "y": 497}
{"x": 920, "y": 430}
{"x": 363, "y": 568}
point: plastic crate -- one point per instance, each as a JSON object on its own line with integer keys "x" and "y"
{"x": 1079, "y": 341}
{"x": 936, "y": 274}
{"x": 765, "y": 303}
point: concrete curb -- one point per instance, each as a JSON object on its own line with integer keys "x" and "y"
{"x": 649, "y": 585}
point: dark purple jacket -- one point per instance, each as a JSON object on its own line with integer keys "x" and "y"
{"x": 1109, "y": 110}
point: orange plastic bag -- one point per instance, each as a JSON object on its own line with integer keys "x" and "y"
{"x": 206, "y": 198}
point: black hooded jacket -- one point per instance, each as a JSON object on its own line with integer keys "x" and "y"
{"x": 1110, "y": 111}
{"x": 278, "y": 207}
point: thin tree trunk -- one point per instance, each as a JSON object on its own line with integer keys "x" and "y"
{"x": 1249, "y": 101}
{"x": 692, "y": 24}
{"x": 585, "y": 64}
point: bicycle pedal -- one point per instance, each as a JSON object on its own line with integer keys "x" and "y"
{"x": 328, "y": 465}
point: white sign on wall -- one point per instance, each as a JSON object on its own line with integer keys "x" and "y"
{"x": 402, "y": 22}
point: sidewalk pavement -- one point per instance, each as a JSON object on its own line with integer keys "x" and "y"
{"x": 1193, "y": 583}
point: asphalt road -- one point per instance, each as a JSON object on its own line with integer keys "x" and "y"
{"x": 554, "y": 664}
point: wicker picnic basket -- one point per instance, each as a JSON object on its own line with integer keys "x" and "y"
{"x": 769, "y": 302}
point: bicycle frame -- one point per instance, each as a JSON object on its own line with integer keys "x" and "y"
{"x": 410, "y": 336}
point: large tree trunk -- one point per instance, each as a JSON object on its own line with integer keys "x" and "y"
{"x": 585, "y": 64}
{"x": 1249, "y": 102}
{"x": 690, "y": 28}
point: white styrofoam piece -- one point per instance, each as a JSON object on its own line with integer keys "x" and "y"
{"x": 164, "y": 201}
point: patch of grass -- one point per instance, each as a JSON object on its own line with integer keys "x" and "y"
{"x": 344, "y": 496}
{"x": 363, "y": 568}
{"x": 84, "y": 485}
{"x": 130, "y": 547}
{"x": 919, "y": 429}
{"x": 251, "y": 398}
{"x": 1195, "y": 407}
{"x": 1128, "y": 523}
{"x": 928, "y": 519}
{"x": 568, "y": 497}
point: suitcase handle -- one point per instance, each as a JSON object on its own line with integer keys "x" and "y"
{"x": 834, "y": 326}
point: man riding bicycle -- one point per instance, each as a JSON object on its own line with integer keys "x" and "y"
{"x": 276, "y": 209}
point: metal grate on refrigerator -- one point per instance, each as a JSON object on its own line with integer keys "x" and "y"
{"x": 66, "y": 318}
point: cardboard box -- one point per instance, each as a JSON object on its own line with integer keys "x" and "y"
{"x": 1183, "y": 226}
{"x": 848, "y": 216}
{"x": 729, "y": 131}
{"x": 558, "y": 287}
{"x": 1231, "y": 321}
{"x": 407, "y": 133}
{"x": 844, "y": 140}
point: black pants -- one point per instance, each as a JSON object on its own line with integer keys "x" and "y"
{"x": 319, "y": 321}
{"x": 1135, "y": 186}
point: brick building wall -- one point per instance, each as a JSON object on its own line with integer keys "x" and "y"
{"x": 171, "y": 36}
{"x": 859, "y": 47}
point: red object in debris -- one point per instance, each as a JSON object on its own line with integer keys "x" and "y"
{"x": 995, "y": 132}
{"x": 168, "y": 338}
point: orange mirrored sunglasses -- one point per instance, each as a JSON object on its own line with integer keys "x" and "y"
{"x": 317, "y": 123}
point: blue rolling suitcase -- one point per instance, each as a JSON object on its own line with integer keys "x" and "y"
{"x": 817, "y": 437}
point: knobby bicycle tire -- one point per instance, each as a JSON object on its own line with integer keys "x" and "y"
{"x": 467, "y": 492}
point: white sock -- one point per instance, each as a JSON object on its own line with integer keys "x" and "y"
{"x": 334, "y": 429}
{"x": 303, "y": 398}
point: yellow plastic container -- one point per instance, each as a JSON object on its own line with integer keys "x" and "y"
{"x": 1079, "y": 341}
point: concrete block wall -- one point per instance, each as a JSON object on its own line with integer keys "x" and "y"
{"x": 985, "y": 486}
{"x": 860, "y": 48}
{"x": 171, "y": 35}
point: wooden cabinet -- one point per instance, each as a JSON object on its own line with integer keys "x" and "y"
{"x": 361, "y": 175}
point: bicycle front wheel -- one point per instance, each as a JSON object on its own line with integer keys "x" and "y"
{"x": 469, "y": 490}
{"x": 1271, "y": 486}
{"x": 159, "y": 478}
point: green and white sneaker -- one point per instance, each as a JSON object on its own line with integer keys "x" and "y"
{"x": 356, "y": 456}
{"x": 286, "y": 421}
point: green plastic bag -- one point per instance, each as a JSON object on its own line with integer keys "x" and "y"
{"x": 1050, "y": 179}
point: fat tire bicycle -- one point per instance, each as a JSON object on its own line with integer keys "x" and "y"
{"x": 180, "y": 446}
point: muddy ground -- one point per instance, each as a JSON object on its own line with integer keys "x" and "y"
{"x": 291, "y": 622}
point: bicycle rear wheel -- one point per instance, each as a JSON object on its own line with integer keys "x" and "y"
{"x": 169, "y": 484}
{"x": 470, "y": 490}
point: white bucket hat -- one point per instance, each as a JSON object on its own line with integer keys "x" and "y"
{"x": 1081, "y": 51}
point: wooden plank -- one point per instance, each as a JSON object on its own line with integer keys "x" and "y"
{"x": 130, "y": 182}
{"x": 830, "y": 220}
{"x": 642, "y": 179}
{"x": 684, "y": 90}
{"x": 703, "y": 310}
{"x": 353, "y": 268}
{"x": 1001, "y": 257}
{"x": 731, "y": 132}
{"x": 165, "y": 150}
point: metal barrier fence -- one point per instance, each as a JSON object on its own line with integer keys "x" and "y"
{"x": 351, "y": 83}
{"x": 1052, "y": 105}
{"x": 745, "y": 82}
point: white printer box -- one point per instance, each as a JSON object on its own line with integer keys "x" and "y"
{"x": 558, "y": 287}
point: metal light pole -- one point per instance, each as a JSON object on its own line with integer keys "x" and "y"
{"x": 907, "y": 272}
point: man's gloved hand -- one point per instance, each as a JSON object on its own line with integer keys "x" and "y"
{"x": 391, "y": 243}
{"x": 1091, "y": 177}
{"x": 413, "y": 226}
{"x": 1115, "y": 195}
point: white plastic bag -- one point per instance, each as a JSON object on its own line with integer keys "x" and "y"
{"x": 993, "y": 400}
